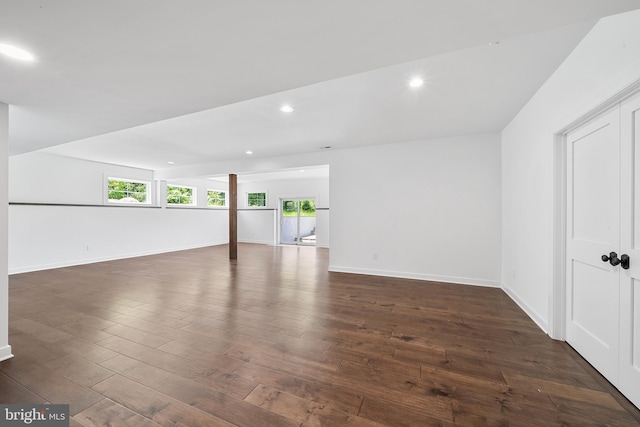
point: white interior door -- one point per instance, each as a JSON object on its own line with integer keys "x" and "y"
{"x": 629, "y": 382}
{"x": 593, "y": 223}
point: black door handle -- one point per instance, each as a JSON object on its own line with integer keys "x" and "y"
{"x": 612, "y": 258}
{"x": 624, "y": 261}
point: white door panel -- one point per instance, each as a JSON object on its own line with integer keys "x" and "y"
{"x": 592, "y": 303}
{"x": 594, "y": 164}
{"x": 593, "y": 225}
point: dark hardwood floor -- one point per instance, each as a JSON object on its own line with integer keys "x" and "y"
{"x": 273, "y": 339}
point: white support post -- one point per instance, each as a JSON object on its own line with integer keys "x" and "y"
{"x": 5, "y": 348}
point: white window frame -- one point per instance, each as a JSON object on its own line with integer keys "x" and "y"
{"x": 194, "y": 196}
{"x": 256, "y": 192}
{"x": 226, "y": 198}
{"x": 150, "y": 191}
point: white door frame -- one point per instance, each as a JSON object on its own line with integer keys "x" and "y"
{"x": 557, "y": 296}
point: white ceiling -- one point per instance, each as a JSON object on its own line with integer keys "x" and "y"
{"x": 300, "y": 173}
{"x": 145, "y": 82}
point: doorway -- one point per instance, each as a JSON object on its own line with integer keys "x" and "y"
{"x": 298, "y": 221}
{"x": 602, "y": 317}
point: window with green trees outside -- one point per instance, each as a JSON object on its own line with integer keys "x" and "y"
{"x": 256, "y": 199}
{"x": 179, "y": 195}
{"x": 216, "y": 198}
{"x": 126, "y": 191}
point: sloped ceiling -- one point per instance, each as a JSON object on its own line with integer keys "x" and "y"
{"x": 147, "y": 82}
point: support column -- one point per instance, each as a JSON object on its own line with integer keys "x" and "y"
{"x": 233, "y": 216}
{"x": 162, "y": 194}
{"x": 5, "y": 348}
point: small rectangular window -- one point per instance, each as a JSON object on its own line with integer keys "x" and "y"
{"x": 179, "y": 195}
{"x": 256, "y": 199}
{"x": 128, "y": 191}
{"x": 216, "y": 198}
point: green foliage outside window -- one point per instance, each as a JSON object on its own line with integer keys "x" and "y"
{"x": 257, "y": 199}
{"x": 179, "y": 195}
{"x": 307, "y": 207}
{"x": 290, "y": 208}
{"x": 127, "y": 191}
{"x": 216, "y": 198}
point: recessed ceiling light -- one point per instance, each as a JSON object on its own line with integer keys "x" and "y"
{"x": 301, "y": 170}
{"x": 416, "y": 82}
{"x": 171, "y": 163}
{"x": 286, "y": 108}
{"x": 16, "y": 53}
{"x": 249, "y": 152}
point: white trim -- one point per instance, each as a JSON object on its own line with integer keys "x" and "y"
{"x": 600, "y": 103}
{"x": 113, "y": 258}
{"x": 259, "y": 242}
{"x": 5, "y": 353}
{"x": 557, "y": 295}
{"x": 418, "y": 276}
{"x": 537, "y": 318}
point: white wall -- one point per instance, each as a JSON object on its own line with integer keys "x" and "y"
{"x": 276, "y": 190}
{"x": 260, "y": 226}
{"x": 45, "y": 178}
{"x": 603, "y": 64}
{"x": 5, "y": 348}
{"x": 426, "y": 210}
{"x": 257, "y": 226}
{"x": 43, "y": 237}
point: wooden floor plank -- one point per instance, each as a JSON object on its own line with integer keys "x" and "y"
{"x": 79, "y": 370}
{"x": 84, "y": 331}
{"x": 275, "y": 339}
{"x": 343, "y": 401}
{"x": 43, "y": 332}
{"x": 49, "y": 384}
{"x": 87, "y": 350}
{"x": 34, "y": 347}
{"x": 223, "y": 406}
{"x": 304, "y": 412}
{"x": 136, "y": 335}
{"x": 226, "y": 382}
{"x": 397, "y": 414}
{"x": 109, "y": 413}
{"x": 11, "y": 392}
{"x": 154, "y": 405}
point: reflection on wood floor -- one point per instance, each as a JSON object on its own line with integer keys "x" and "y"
{"x": 273, "y": 339}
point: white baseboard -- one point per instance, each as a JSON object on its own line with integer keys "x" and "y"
{"x": 539, "y": 320}
{"x": 259, "y": 242}
{"x": 71, "y": 263}
{"x": 418, "y": 276}
{"x": 5, "y": 353}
